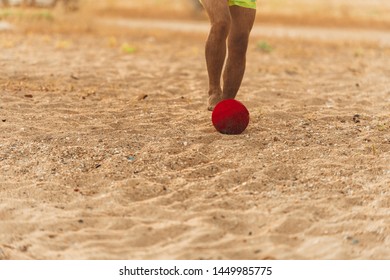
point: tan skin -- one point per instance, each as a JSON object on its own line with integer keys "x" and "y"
{"x": 229, "y": 35}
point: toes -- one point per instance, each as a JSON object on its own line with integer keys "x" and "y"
{"x": 213, "y": 100}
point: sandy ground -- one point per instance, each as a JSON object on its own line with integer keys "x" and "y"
{"x": 107, "y": 150}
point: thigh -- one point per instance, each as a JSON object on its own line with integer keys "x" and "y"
{"x": 242, "y": 19}
{"x": 217, "y": 10}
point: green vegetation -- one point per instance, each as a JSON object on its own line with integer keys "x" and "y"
{"x": 20, "y": 14}
{"x": 264, "y": 47}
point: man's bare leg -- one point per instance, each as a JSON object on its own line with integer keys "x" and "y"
{"x": 241, "y": 26}
{"x": 220, "y": 20}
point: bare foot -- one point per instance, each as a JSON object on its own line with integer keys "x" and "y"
{"x": 214, "y": 99}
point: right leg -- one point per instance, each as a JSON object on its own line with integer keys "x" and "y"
{"x": 220, "y": 20}
{"x": 242, "y": 22}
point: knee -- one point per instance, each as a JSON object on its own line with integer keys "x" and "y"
{"x": 221, "y": 28}
{"x": 238, "y": 42}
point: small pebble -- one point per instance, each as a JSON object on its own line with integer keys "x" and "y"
{"x": 131, "y": 158}
{"x": 356, "y": 118}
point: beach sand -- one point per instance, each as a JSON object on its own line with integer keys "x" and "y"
{"x": 107, "y": 150}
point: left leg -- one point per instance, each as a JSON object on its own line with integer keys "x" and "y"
{"x": 241, "y": 26}
{"x": 220, "y": 20}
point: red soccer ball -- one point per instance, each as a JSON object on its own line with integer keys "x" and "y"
{"x": 230, "y": 117}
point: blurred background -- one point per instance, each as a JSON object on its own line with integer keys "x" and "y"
{"x": 358, "y": 13}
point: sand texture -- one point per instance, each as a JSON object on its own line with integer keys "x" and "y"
{"x": 107, "y": 150}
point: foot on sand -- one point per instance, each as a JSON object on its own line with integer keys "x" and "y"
{"x": 214, "y": 99}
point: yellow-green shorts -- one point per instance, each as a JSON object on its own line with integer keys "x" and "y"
{"x": 243, "y": 3}
{"x": 251, "y": 4}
